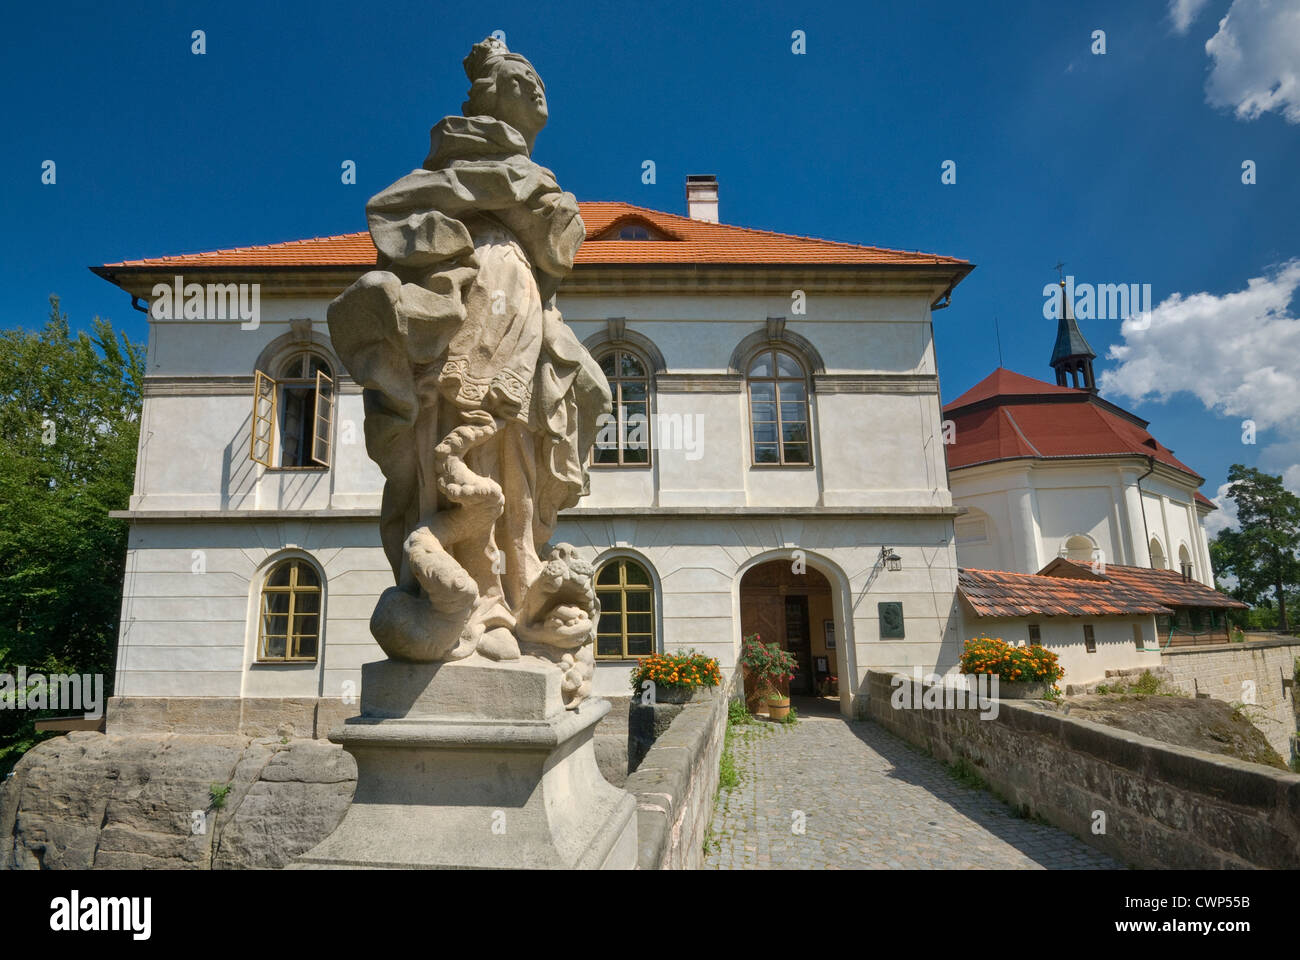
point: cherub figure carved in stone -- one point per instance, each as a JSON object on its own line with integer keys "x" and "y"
{"x": 481, "y": 405}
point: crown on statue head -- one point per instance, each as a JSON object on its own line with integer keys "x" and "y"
{"x": 486, "y": 54}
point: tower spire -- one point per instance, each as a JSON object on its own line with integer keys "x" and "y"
{"x": 1072, "y": 356}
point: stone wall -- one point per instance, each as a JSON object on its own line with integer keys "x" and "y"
{"x": 253, "y": 717}
{"x": 1164, "y": 806}
{"x": 306, "y": 717}
{"x": 610, "y": 741}
{"x": 1223, "y": 671}
{"x": 677, "y": 781}
{"x": 93, "y": 800}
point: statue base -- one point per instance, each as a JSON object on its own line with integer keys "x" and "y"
{"x": 475, "y": 764}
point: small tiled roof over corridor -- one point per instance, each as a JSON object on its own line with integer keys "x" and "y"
{"x": 1161, "y": 586}
{"x": 1000, "y": 593}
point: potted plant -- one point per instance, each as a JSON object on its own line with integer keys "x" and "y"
{"x": 676, "y": 677}
{"x": 1024, "y": 673}
{"x": 770, "y": 667}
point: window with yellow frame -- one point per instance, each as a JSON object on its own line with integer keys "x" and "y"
{"x": 626, "y": 628}
{"x": 289, "y": 618}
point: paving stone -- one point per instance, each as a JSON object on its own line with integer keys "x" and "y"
{"x": 869, "y": 801}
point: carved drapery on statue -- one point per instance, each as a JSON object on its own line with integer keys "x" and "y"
{"x": 481, "y": 405}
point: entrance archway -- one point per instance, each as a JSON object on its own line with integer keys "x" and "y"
{"x": 794, "y": 606}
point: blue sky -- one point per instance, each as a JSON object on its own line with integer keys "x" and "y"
{"x": 1126, "y": 165}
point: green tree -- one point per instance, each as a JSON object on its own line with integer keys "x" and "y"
{"x": 1261, "y": 554}
{"x": 69, "y": 423}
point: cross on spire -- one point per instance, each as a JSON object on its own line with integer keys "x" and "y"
{"x": 1060, "y": 269}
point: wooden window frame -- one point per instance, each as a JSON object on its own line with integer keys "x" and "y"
{"x": 267, "y": 404}
{"x": 1035, "y": 635}
{"x": 776, "y": 380}
{"x": 293, "y": 589}
{"x": 265, "y": 391}
{"x": 623, "y": 588}
{"x": 323, "y": 442}
{"x": 616, "y": 391}
{"x": 1089, "y": 638}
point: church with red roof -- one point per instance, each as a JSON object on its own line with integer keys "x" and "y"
{"x": 1048, "y": 470}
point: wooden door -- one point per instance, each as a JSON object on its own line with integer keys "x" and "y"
{"x": 798, "y": 641}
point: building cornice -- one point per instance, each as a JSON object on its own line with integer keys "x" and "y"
{"x": 364, "y": 513}
{"x": 909, "y": 383}
{"x": 930, "y": 280}
{"x": 1137, "y": 462}
{"x": 219, "y": 386}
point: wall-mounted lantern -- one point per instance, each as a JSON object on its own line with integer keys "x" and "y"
{"x": 890, "y": 559}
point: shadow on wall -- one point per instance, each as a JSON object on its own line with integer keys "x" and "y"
{"x": 239, "y": 475}
{"x": 238, "y": 471}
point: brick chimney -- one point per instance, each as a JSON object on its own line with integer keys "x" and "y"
{"x": 702, "y": 197}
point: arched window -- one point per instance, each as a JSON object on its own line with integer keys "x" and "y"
{"x": 289, "y": 613}
{"x": 293, "y": 413}
{"x": 1079, "y": 549}
{"x": 626, "y": 595}
{"x": 778, "y": 409}
{"x": 623, "y": 437}
{"x": 1184, "y": 562}
{"x": 1157, "y": 555}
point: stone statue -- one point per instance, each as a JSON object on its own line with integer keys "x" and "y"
{"x": 481, "y": 404}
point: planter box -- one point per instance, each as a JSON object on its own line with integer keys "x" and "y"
{"x": 681, "y": 694}
{"x": 1022, "y": 689}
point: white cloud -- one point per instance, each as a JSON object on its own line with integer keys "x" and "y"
{"x": 1256, "y": 58}
{"x": 1183, "y": 12}
{"x": 1236, "y": 353}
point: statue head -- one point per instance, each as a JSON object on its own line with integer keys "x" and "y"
{"x": 504, "y": 85}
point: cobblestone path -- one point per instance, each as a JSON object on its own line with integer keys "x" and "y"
{"x": 868, "y": 801}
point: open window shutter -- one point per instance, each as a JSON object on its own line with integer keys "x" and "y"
{"x": 263, "y": 442}
{"x": 323, "y": 421}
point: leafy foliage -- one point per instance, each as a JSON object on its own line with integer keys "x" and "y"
{"x": 994, "y": 655}
{"x": 687, "y": 669}
{"x": 1262, "y": 553}
{"x": 69, "y": 425}
{"x": 767, "y": 663}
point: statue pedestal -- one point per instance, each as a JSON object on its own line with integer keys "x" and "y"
{"x": 475, "y": 764}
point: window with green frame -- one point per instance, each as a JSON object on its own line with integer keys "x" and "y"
{"x": 626, "y": 594}
{"x": 289, "y": 616}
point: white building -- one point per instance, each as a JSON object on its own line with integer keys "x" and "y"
{"x": 786, "y": 386}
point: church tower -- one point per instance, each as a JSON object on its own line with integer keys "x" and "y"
{"x": 1072, "y": 357}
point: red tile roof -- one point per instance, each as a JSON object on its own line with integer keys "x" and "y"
{"x": 1007, "y": 383}
{"x": 1007, "y": 415}
{"x": 695, "y": 242}
{"x": 1166, "y": 587}
{"x": 1000, "y": 593}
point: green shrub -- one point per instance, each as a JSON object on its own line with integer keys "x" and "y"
{"x": 967, "y": 774}
{"x": 1147, "y": 684}
{"x": 738, "y": 713}
{"x": 728, "y": 776}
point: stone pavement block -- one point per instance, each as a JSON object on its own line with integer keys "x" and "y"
{"x": 868, "y": 801}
